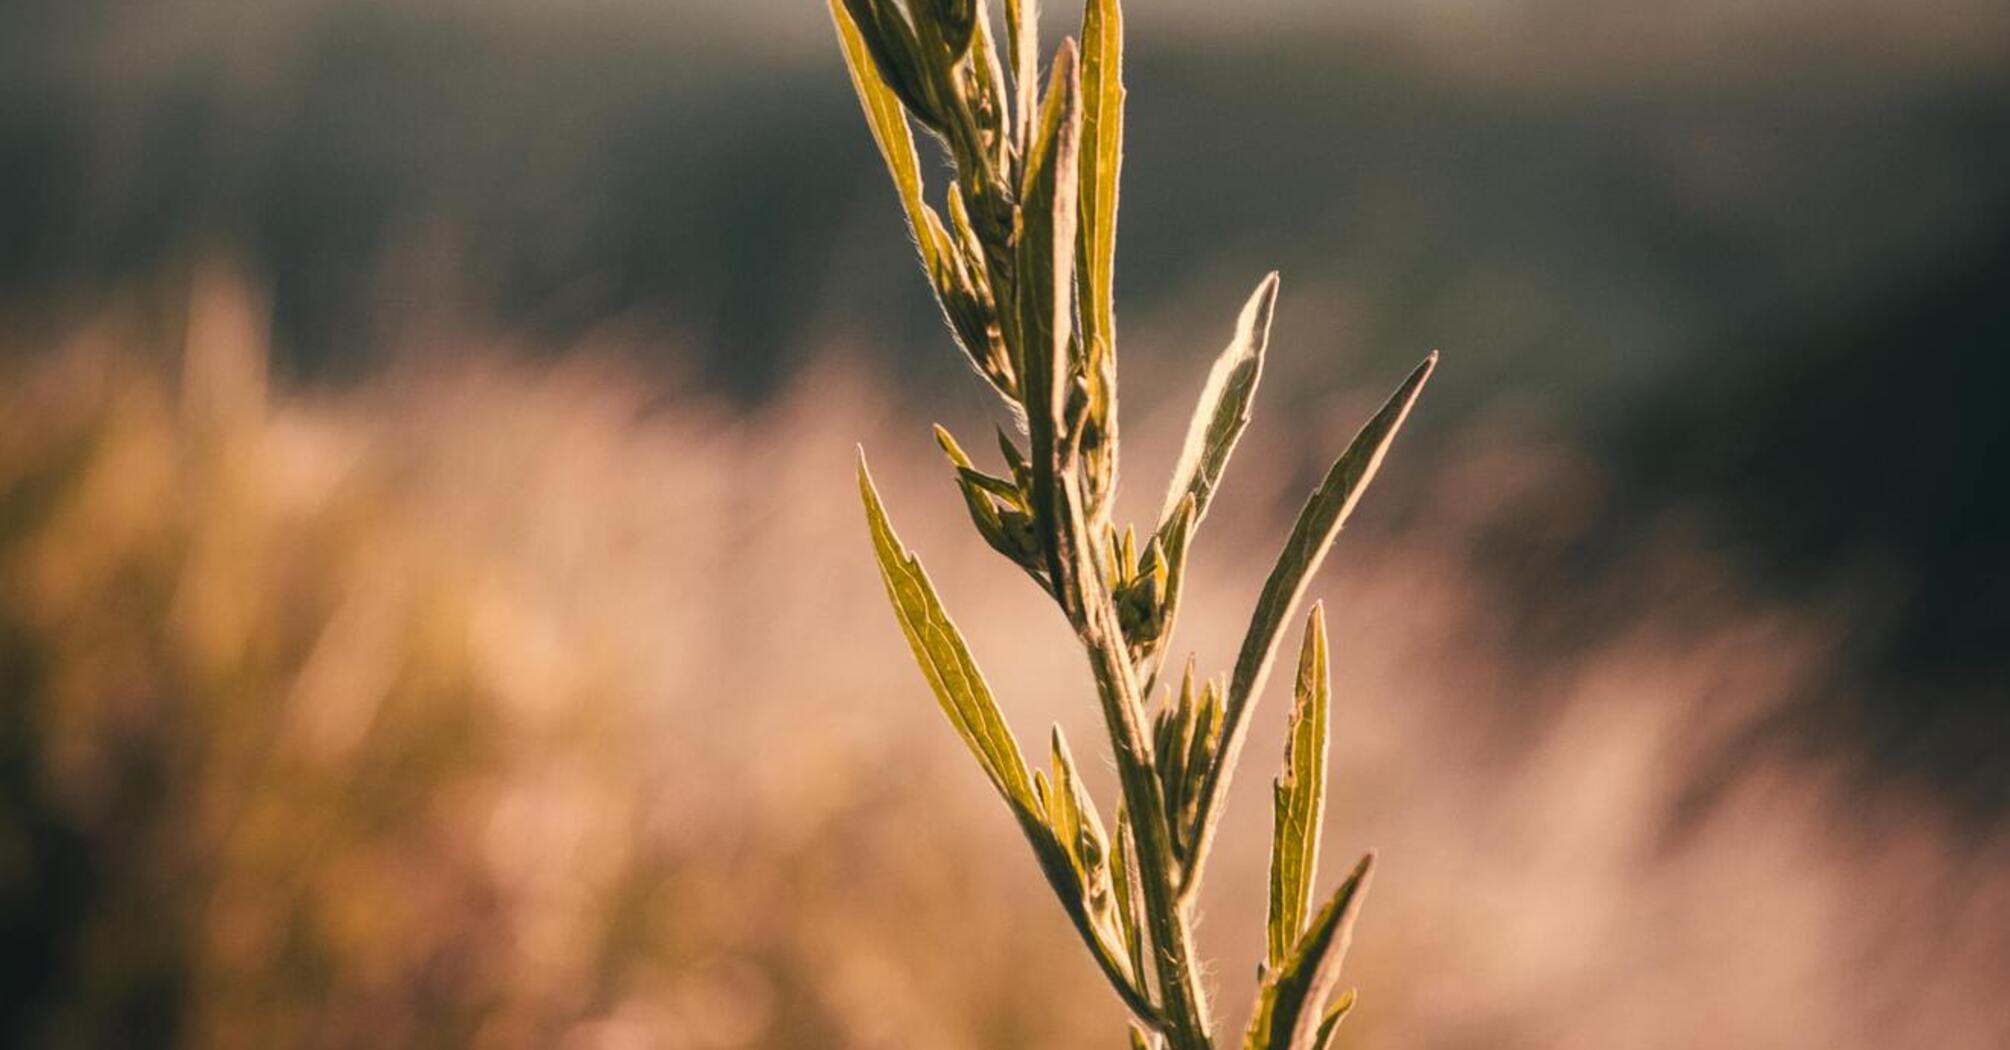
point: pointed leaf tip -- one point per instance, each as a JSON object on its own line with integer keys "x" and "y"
{"x": 1319, "y": 523}
{"x": 943, "y": 656}
{"x": 1223, "y": 411}
{"x": 1325, "y": 513}
{"x": 1289, "y": 1013}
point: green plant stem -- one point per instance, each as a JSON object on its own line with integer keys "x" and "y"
{"x": 1095, "y": 618}
{"x": 1031, "y": 304}
{"x": 1185, "y": 1002}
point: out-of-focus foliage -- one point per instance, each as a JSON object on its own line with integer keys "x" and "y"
{"x": 491, "y": 704}
{"x": 373, "y": 721}
{"x": 291, "y": 765}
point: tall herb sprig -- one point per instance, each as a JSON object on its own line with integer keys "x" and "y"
{"x": 1022, "y": 268}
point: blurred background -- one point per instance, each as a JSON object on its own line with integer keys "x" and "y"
{"x": 435, "y": 610}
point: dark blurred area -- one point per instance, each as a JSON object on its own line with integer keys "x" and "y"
{"x": 1753, "y": 263}
{"x": 1869, "y": 440}
{"x": 1749, "y": 264}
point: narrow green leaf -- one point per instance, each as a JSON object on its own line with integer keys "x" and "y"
{"x": 991, "y": 483}
{"x": 1223, "y": 411}
{"x": 1200, "y": 747}
{"x": 1102, "y": 164}
{"x": 1124, "y": 874}
{"x": 984, "y": 340}
{"x": 896, "y": 55}
{"x": 1318, "y": 524}
{"x": 1139, "y": 1040}
{"x": 960, "y": 296}
{"x": 1057, "y": 818}
{"x": 1057, "y": 863}
{"x": 990, "y": 97}
{"x": 1015, "y": 460}
{"x": 1102, "y": 159}
{"x": 886, "y": 117}
{"x": 1022, "y": 50}
{"x": 1174, "y": 541}
{"x": 944, "y": 658}
{"x": 1078, "y": 825}
{"x": 1049, "y": 195}
{"x": 1300, "y": 799}
{"x": 1289, "y": 1012}
{"x": 981, "y": 495}
{"x": 1092, "y": 879}
{"x": 975, "y": 483}
{"x": 1172, "y": 747}
{"x": 1046, "y": 266}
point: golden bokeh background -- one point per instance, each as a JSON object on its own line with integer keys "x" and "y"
{"x": 435, "y": 609}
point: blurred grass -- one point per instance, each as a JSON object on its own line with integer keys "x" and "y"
{"x": 392, "y": 721}
{"x": 516, "y": 700}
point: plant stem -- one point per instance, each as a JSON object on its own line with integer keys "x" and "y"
{"x": 1185, "y": 1002}
{"x": 1095, "y": 616}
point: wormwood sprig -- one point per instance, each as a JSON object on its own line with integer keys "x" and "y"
{"x": 1022, "y": 268}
